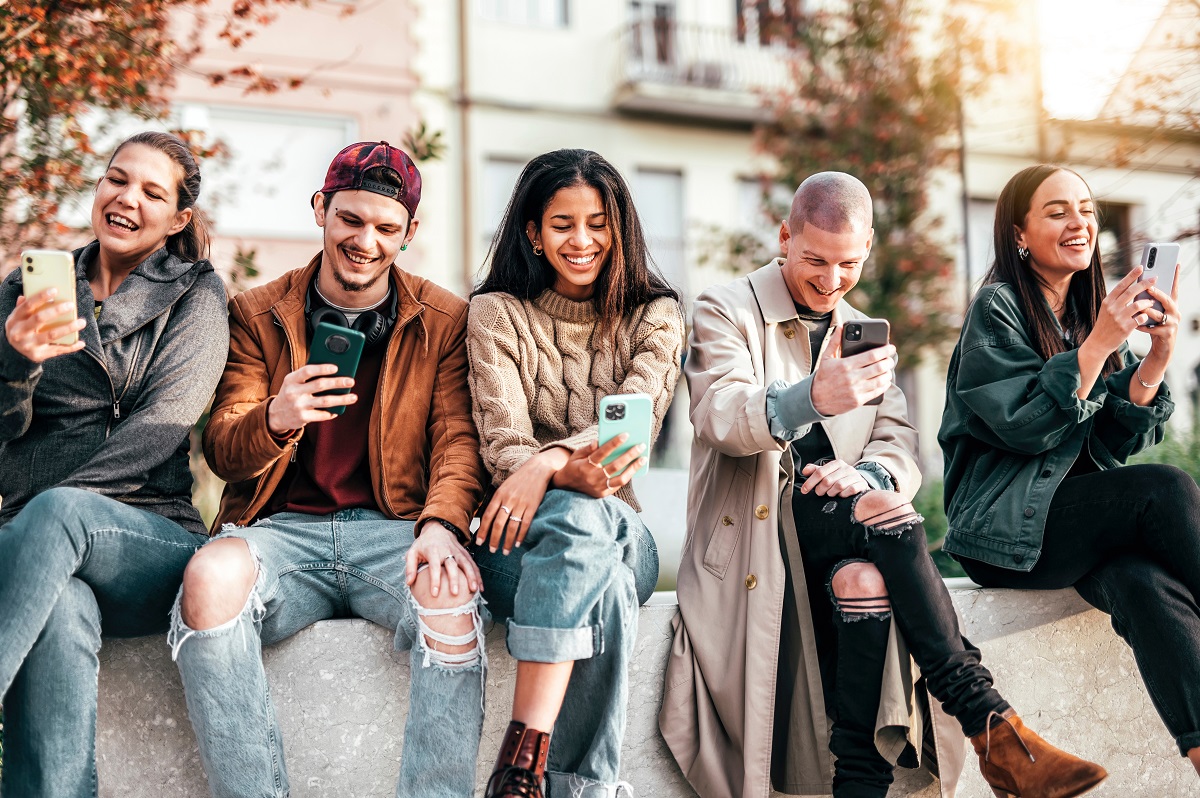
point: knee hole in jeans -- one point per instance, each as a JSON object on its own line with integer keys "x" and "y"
{"x": 221, "y": 567}
{"x": 883, "y": 512}
{"x": 858, "y": 591}
{"x": 218, "y": 582}
{"x": 450, "y": 627}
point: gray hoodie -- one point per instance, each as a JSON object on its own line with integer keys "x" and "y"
{"x": 114, "y": 418}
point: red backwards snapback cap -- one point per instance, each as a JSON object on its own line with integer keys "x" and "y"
{"x": 349, "y": 168}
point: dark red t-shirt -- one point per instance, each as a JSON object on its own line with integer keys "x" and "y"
{"x": 332, "y": 471}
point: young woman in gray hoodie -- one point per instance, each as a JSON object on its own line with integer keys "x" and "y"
{"x": 96, "y": 520}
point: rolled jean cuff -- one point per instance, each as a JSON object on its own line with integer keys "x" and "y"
{"x": 1187, "y": 742}
{"x": 542, "y": 644}
{"x": 576, "y": 786}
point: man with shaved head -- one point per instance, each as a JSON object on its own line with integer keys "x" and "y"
{"x": 805, "y": 579}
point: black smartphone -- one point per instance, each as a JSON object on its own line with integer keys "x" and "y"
{"x": 340, "y": 346}
{"x": 861, "y": 335}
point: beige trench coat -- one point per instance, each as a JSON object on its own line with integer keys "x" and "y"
{"x": 719, "y": 705}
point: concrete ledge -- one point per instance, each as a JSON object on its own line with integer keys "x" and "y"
{"x": 342, "y": 696}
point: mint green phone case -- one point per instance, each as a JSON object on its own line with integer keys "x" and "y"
{"x": 340, "y": 346}
{"x": 630, "y": 413}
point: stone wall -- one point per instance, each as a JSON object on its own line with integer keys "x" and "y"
{"x": 342, "y": 696}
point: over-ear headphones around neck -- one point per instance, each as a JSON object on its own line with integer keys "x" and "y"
{"x": 376, "y": 326}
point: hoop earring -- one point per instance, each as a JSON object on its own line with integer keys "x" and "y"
{"x": 1023, "y": 253}
{"x": 537, "y": 249}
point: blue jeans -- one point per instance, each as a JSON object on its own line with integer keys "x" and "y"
{"x": 572, "y": 592}
{"x": 74, "y": 565}
{"x": 349, "y": 564}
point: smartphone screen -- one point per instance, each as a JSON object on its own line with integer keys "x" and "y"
{"x": 51, "y": 268}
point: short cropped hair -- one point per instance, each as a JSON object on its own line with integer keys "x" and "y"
{"x": 833, "y": 201}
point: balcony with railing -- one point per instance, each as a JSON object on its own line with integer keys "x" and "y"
{"x": 681, "y": 69}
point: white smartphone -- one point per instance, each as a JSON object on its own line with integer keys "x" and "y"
{"x": 51, "y": 268}
{"x": 1159, "y": 260}
{"x": 631, "y": 413}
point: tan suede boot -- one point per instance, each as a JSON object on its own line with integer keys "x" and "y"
{"x": 521, "y": 764}
{"x": 1016, "y": 763}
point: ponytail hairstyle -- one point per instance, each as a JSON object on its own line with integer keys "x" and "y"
{"x": 1084, "y": 294}
{"x": 627, "y": 281}
{"x": 192, "y": 242}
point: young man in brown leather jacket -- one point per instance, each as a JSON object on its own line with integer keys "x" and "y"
{"x": 360, "y": 514}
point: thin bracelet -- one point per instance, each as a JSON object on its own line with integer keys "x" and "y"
{"x": 1143, "y": 382}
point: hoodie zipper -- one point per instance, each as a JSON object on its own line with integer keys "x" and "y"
{"x": 116, "y": 400}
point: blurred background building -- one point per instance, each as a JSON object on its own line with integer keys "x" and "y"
{"x": 670, "y": 92}
{"x": 677, "y": 94}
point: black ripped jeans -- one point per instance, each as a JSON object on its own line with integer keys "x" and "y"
{"x": 829, "y": 535}
{"x": 1128, "y": 540}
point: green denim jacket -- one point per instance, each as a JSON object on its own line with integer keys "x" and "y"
{"x": 1013, "y": 426}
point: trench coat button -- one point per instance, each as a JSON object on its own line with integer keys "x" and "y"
{"x": 761, "y": 512}
{"x": 1029, "y": 512}
{"x": 1018, "y": 558}
{"x": 789, "y": 333}
{"x": 727, "y": 521}
{"x": 1046, "y": 474}
{"x": 751, "y": 582}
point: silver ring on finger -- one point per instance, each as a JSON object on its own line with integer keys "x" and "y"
{"x": 608, "y": 482}
{"x": 449, "y": 557}
{"x": 505, "y": 509}
{"x": 514, "y": 518}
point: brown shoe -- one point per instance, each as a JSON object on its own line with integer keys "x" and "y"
{"x": 520, "y": 765}
{"x": 1016, "y": 763}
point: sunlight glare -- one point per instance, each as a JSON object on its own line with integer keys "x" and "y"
{"x": 1086, "y": 46}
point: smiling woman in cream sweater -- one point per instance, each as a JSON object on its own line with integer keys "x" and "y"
{"x": 569, "y": 312}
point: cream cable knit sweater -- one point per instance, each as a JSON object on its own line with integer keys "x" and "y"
{"x": 539, "y": 369}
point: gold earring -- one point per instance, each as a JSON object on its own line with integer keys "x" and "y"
{"x": 537, "y": 249}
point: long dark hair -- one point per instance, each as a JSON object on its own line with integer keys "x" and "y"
{"x": 1084, "y": 293}
{"x": 628, "y": 280}
{"x": 192, "y": 242}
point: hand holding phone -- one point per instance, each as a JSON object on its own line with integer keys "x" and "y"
{"x": 856, "y": 370}
{"x": 318, "y": 391}
{"x": 45, "y": 322}
{"x": 631, "y": 414}
{"x": 1158, "y": 260}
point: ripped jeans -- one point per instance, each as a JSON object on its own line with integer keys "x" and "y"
{"x": 310, "y": 568}
{"x": 830, "y": 535}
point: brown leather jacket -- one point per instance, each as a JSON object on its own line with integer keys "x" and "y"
{"x": 424, "y": 450}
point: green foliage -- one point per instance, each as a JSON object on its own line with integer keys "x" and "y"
{"x": 928, "y": 502}
{"x": 1179, "y": 448}
{"x": 424, "y": 144}
{"x": 245, "y": 269}
{"x": 872, "y": 94}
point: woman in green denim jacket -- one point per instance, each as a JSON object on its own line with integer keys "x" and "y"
{"x": 1044, "y": 405}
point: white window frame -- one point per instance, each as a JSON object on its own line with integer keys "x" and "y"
{"x": 199, "y": 116}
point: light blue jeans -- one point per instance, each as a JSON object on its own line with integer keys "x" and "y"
{"x": 349, "y": 564}
{"x": 572, "y": 592}
{"x": 74, "y": 565}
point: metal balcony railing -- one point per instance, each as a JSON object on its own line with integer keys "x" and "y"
{"x": 662, "y": 51}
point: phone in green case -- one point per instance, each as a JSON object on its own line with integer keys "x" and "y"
{"x": 630, "y": 413}
{"x": 340, "y": 346}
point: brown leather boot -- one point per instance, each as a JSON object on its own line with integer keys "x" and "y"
{"x": 520, "y": 765}
{"x": 1016, "y": 763}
